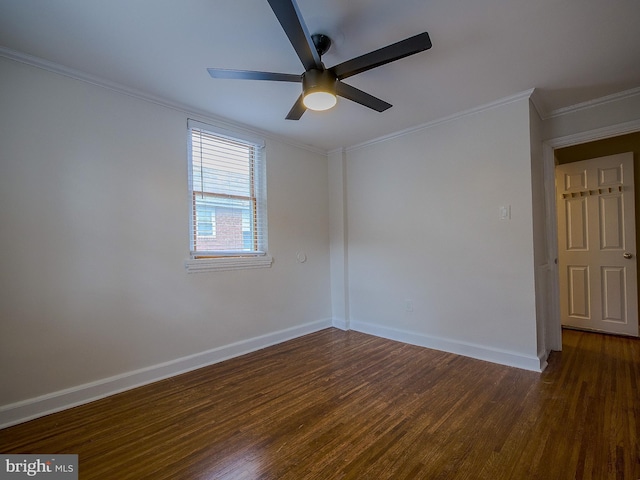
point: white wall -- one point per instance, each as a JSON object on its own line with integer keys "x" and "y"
{"x": 94, "y": 207}
{"x": 423, "y": 226}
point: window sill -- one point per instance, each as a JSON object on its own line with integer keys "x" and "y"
{"x": 202, "y": 265}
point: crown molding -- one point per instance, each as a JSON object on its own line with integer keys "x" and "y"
{"x": 594, "y": 135}
{"x": 203, "y": 115}
{"x": 596, "y": 102}
{"x": 534, "y": 95}
{"x": 451, "y": 118}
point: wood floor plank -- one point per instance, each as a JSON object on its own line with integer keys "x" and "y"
{"x": 345, "y": 405}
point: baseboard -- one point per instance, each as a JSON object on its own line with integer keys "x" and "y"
{"x": 340, "y": 323}
{"x": 479, "y": 352}
{"x": 29, "y": 409}
{"x": 544, "y": 357}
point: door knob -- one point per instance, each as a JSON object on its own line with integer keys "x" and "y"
{"x": 627, "y": 255}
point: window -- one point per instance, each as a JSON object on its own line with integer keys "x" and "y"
{"x": 227, "y": 200}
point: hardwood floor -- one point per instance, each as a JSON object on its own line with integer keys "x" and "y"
{"x": 345, "y": 405}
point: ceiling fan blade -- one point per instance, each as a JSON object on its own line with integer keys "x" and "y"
{"x": 297, "y": 110}
{"x": 388, "y": 54}
{"x": 289, "y": 16}
{"x": 252, "y": 75}
{"x": 363, "y": 98}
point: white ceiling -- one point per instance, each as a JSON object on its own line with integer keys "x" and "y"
{"x": 483, "y": 50}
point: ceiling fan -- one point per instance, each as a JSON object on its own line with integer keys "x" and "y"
{"x": 320, "y": 85}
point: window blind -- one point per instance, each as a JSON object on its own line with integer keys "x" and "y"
{"x": 227, "y": 193}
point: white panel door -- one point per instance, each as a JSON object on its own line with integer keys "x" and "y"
{"x": 597, "y": 245}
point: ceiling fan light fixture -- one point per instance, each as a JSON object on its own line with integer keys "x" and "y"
{"x": 319, "y": 87}
{"x": 319, "y": 101}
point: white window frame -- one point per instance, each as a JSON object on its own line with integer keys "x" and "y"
{"x": 231, "y": 260}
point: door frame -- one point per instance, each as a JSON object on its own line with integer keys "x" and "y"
{"x": 553, "y": 327}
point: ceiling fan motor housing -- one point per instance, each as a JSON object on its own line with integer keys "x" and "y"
{"x": 318, "y": 81}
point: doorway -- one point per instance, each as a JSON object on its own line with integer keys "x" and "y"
{"x": 572, "y": 149}
{"x": 595, "y": 201}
